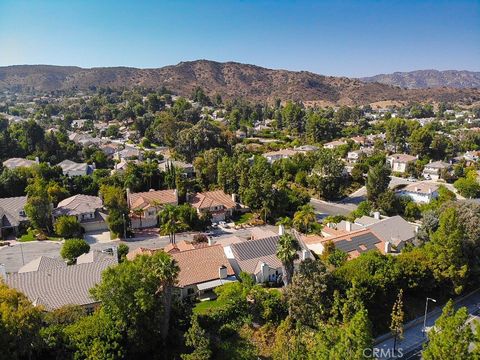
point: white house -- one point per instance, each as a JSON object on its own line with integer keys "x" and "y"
{"x": 399, "y": 162}
{"x": 422, "y": 192}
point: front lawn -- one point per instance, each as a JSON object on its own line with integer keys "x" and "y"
{"x": 244, "y": 219}
{"x": 31, "y": 236}
{"x": 204, "y": 307}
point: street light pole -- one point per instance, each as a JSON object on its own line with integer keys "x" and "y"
{"x": 124, "y": 227}
{"x": 425, "y": 317}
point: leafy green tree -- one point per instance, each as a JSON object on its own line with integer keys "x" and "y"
{"x": 197, "y": 338}
{"x": 328, "y": 178}
{"x": 307, "y": 294}
{"x": 20, "y": 323}
{"x": 396, "y": 325}
{"x": 468, "y": 186}
{"x": 287, "y": 249}
{"x": 420, "y": 141}
{"x": 451, "y": 337}
{"x": 445, "y": 251}
{"x": 137, "y": 297}
{"x": 73, "y": 248}
{"x": 115, "y": 202}
{"x": 96, "y": 336}
{"x": 396, "y": 133}
{"x": 377, "y": 182}
{"x": 38, "y": 207}
{"x": 67, "y": 227}
{"x": 122, "y": 252}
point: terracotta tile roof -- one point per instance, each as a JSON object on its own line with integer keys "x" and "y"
{"x": 144, "y": 200}
{"x": 403, "y": 158}
{"x": 201, "y": 265}
{"x": 183, "y": 246}
{"x": 140, "y": 251}
{"x": 209, "y": 199}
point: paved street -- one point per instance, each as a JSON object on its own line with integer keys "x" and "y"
{"x": 14, "y": 257}
{"x": 414, "y": 338}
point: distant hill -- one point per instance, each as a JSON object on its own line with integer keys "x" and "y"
{"x": 423, "y": 79}
{"x": 230, "y": 79}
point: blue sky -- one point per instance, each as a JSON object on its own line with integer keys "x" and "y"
{"x": 350, "y": 38}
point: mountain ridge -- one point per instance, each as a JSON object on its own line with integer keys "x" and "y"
{"x": 230, "y": 79}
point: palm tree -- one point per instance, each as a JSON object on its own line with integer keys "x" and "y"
{"x": 166, "y": 270}
{"x": 170, "y": 221}
{"x": 304, "y": 218}
{"x": 287, "y": 248}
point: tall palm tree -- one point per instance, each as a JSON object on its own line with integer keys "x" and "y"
{"x": 304, "y": 218}
{"x": 287, "y": 248}
{"x": 170, "y": 221}
{"x": 166, "y": 270}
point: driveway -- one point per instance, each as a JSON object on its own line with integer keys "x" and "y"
{"x": 97, "y": 237}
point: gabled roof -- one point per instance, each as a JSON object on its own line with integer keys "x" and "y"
{"x": 10, "y": 209}
{"x": 208, "y": 199}
{"x": 143, "y": 200}
{"x": 249, "y": 253}
{"x": 394, "y": 230}
{"x": 183, "y": 246}
{"x": 70, "y": 166}
{"x": 54, "y": 287}
{"x": 42, "y": 263}
{"x": 18, "y": 162}
{"x": 403, "y": 158}
{"x": 78, "y": 204}
{"x": 201, "y": 265}
{"x": 421, "y": 188}
{"x": 438, "y": 165}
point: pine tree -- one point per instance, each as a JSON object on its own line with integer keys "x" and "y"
{"x": 396, "y": 326}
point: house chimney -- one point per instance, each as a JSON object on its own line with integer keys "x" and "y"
{"x": 234, "y": 198}
{"x": 210, "y": 241}
{"x": 305, "y": 254}
{"x": 376, "y": 215}
{"x": 37, "y": 160}
{"x": 348, "y": 226}
{"x": 264, "y": 272}
{"x": 128, "y": 196}
{"x": 3, "y": 271}
{"x": 175, "y": 193}
{"x": 222, "y": 272}
{"x": 281, "y": 229}
{"x": 429, "y": 190}
{"x": 388, "y": 247}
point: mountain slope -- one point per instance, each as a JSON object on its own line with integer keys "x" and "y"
{"x": 423, "y": 79}
{"x": 229, "y": 79}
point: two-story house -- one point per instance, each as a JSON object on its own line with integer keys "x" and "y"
{"x": 435, "y": 170}
{"x": 399, "y": 162}
{"x": 144, "y": 206}
{"x": 216, "y": 203}
{"x": 12, "y": 215}
{"x": 87, "y": 209}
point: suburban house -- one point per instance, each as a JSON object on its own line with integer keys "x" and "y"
{"x": 471, "y": 157}
{"x": 355, "y": 155}
{"x": 420, "y": 192}
{"x": 273, "y": 156}
{"x": 183, "y": 167}
{"x": 87, "y": 209}
{"x": 128, "y": 153}
{"x": 202, "y": 269}
{"x": 84, "y": 139}
{"x": 334, "y": 144}
{"x": 184, "y": 246}
{"x": 435, "y": 170}
{"x": 399, "y": 162}
{"x": 52, "y": 284}
{"x": 258, "y": 258}
{"x": 394, "y": 231}
{"x": 304, "y": 149}
{"x": 216, "y": 203}
{"x": 12, "y": 215}
{"x": 72, "y": 168}
{"x": 14, "y": 163}
{"x": 144, "y": 206}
